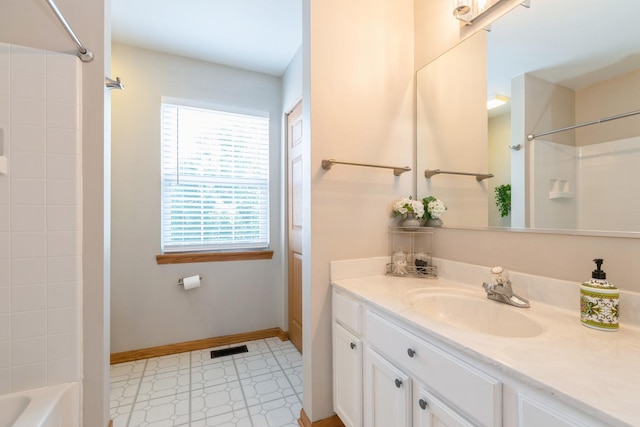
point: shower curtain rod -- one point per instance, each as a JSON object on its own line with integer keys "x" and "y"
{"x": 532, "y": 136}
{"x": 84, "y": 54}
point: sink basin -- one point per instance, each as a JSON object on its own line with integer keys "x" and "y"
{"x": 472, "y": 312}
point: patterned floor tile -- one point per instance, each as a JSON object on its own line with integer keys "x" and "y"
{"x": 265, "y": 388}
{"x": 212, "y": 374}
{"x": 167, "y": 411}
{"x": 164, "y": 384}
{"x": 124, "y": 392}
{"x": 126, "y": 371}
{"x": 257, "y": 364}
{"x": 277, "y": 413}
{"x": 173, "y": 362}
{"x": 216, "y": 400}
{"x": 294, "y": 375}
{"x": 120, "y": 415}
{"x": 230, "y": 419}
{"x": 258, "y": 388}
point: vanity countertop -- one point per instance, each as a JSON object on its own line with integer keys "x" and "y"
{"x": 597, "y": 372}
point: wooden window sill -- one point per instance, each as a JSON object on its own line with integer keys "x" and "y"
{"x": 188, "y": 257}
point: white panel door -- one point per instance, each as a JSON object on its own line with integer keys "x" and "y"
{"x": 347, "y": 376}
{"x": 387, "y": 393}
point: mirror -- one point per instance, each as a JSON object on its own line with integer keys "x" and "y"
{"x": 561, "y": 64}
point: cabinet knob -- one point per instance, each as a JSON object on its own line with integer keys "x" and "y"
{"x": 352, "y": 345}
{"x": 411, "y": 352}
{"x": 398, "y": 383}
{"x": 422, "y": 403}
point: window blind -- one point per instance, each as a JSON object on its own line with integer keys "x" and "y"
{"x": 215, "y": 180}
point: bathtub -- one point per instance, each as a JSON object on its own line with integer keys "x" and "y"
{"x": 55, "y": 406}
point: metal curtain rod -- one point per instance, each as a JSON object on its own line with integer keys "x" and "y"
{"x": 397, "y": 171}
{"x": 84, "y": 54}
{"x": 428, "y": 173}
{"x": 532, "y": 136}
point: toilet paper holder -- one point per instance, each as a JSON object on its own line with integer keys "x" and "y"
{"x": 181, "y": 281}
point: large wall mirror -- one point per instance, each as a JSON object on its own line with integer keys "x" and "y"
{"x": 559, "y": 64}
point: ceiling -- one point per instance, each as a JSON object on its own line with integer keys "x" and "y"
{"x": 574, "y": 43}
{"x": 256, "y": 35}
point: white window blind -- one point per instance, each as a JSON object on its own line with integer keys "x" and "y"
{"x": 215, "y": 180}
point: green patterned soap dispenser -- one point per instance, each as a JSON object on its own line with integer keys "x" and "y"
{"x": 599, "y": 301}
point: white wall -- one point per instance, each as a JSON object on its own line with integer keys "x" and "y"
{"x": 148, "y": 307}
{"x": 40, "y": 223}
{"x": 358, "y": 105}
{"x": 33, "y": 24}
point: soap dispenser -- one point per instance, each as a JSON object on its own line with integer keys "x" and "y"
{"x": 599, "y": 301}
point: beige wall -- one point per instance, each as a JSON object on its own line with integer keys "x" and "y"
{"x": 606, "y": 99}
{"x": 437, "y": 31}
{"x": 33, "y": 24}
{"x": 451, "y": 100}
{"x": 148, "y": 307}
{"x": 358, "y": 106}
{"x": 499, "y": 164}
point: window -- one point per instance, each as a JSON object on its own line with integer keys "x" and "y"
{"x": 215, "y": 180}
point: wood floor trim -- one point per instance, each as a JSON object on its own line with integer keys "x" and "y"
{"x": 333, "y": 421}
{"x": 165, "y": 350}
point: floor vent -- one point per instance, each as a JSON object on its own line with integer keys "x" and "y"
{"x": 229, "y": 351}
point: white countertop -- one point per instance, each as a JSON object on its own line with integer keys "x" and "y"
{"x": 597, "y": 372}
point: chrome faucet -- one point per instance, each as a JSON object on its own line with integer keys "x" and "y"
{"x": 501, "y": 290}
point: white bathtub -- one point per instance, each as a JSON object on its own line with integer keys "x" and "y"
{"x": 55, "y": 406}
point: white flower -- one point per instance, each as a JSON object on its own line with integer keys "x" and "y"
{"x": 436, "y": 208}
{"x": 408, "y": 205}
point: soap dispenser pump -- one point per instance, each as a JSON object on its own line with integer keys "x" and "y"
{"x": 599, "y": 301}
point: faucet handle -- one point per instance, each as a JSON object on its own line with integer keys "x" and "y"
{"x": 500, "y": 275}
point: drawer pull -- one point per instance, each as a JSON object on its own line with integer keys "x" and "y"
{"x": 422, "y": 403}
{"x": 352, "y": 345}
{"x": 411, "y": 352}
{"x": 398, "y": 383}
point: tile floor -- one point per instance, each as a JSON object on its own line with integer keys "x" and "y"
{"x": 261, "y": 388}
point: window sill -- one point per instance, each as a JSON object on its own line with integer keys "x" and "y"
{"x": 188, "y": 257}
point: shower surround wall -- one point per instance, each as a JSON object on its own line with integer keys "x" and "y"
{"x": 601, "y": 185}
{"x": 40, "y": 220}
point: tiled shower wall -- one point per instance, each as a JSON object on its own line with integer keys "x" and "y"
{"x": 40, "y": 221}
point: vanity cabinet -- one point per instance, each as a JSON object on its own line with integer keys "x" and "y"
{"x": 446, "y": 390}
{"x": 347, "y": 359}
{"x": 389, "y": 377}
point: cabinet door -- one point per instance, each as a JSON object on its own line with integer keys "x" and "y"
{"x": 347, "y": 376}
{"x": 429, "y": 411}
{"x": 387, "y": 393}
{"x": 534, "y": 413}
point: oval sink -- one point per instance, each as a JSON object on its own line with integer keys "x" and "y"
{"x": 472, "y": 312}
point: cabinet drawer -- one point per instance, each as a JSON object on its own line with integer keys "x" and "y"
{"x": 470, "y": 390}
{"x": 348, "y": 312}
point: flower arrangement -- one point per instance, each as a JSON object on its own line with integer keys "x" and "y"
{"x": 406, "y": 206}
{"x": 433, "y": 208}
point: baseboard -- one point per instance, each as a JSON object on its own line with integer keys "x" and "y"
{"x": 333, "y": 421}
{"x": 164, "y": 350}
